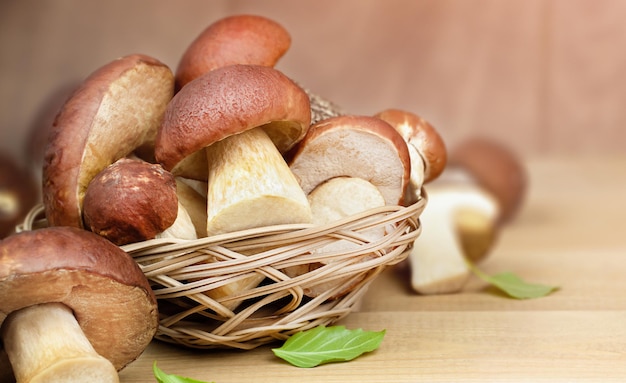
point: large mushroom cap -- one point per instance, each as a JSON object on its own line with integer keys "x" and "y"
{"x": 238, "y": 39}
{"x": 116, "y": 110}
{"x": 354, "y": 146}
{"x": 228, "y": 101}
{"x": 107, "y": 291}
{"x": 498, "y": 169}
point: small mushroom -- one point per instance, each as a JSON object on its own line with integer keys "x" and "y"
{"x": 237, "y": 39}
{"x": 18, "y": 193}
{"x": 132, "y": 200}
{"x": 75, "y": 307}
{"x": 426, "y": 147}
{"x": 354, "y": 146}
{"x": 480, "y": 190}
{"x": 115, "y": 111}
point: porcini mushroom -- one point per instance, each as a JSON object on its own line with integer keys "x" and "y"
{"x": 242, "y": 117}
{"x": 18, "y": 193}
{"x": 132, "y": 200}
{"x": 236, "y": 39}
{"x": 481, "y": 189}
{"x": 75, "y": 307}
{"x": 426, "y": 147}
{"x": 354, "y": 146}
{"x": 115, "y": 111}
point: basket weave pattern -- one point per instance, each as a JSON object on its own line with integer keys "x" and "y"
{"x": 183, "y": 272}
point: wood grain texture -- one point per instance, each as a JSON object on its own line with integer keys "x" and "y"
{"x": 541, "y": 76}
{"x": 568, "y": 234}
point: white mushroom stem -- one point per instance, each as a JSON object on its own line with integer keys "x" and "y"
{"x": 438, "y": 258}
{"x": 45, "y": 344}
{"x": 182, "y": 228}
{"x": 250, "y": 185}
{"x": 413, "y": 191}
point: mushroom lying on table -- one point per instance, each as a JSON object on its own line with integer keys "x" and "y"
{"x": 75, "y": 307}
{"x": 132, "y": 200}
{"x": 481, "y": 189}
{"x": 114, "y": 112}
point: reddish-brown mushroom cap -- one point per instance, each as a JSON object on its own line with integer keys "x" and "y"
{"x": 130, "y": 201}
{"x": 114, "y": 111}
{"x": 228, "y": 101}
{"x": 238, "y": 39}
{"x": 354, "y": 146}
{"x": 421, "y": 134}
{"x": 107, "y": 291}
{"x": 497, "y": 169}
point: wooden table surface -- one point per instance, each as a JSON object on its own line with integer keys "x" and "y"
{"x": 569, "y": 234}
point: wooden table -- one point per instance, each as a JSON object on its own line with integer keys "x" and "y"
{"x": 570, "y": 233}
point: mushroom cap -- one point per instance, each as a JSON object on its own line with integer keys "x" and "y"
{"x": 237, "y": 39}
{"x": 130, "y": 201}
{"x": 18, "y": 193}
{"x": 107, "y": 291}
{"x": 423, "y": 136}
{"x": 354, "y": 146}
{"x": 117, "y": 109}
{"x": 227, "y": 101}
{"x": 498, "y": 169}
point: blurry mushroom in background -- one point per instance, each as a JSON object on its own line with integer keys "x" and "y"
{"x": 426, "y": 147}
{"x": 481, "y": 189}
{"x": 75, "y": 307}
{"x": 18, "y": 193}
{"x": 132, "y": 200}
{"x": 115, "y": 111}
{"x": 237, "y": 39}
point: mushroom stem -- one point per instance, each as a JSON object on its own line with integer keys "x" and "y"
{"x": 182, "y": 228}
{"x": 250, "y": 185}
{"x": 45, "y": 344}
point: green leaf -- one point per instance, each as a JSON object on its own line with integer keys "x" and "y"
{"x": 162, "y": 377}
{"x": 513, "y": 285}
{"x": 327, "y": 344}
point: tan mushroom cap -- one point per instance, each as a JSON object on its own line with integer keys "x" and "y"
{"x": 354, "y": 146}
{"x": 421, "y": 134}
{"x": 497, "y": 168}
{"x": 228, "y": 101}
{"x": 107, "y": 291}
{"x": 116, "y": 110}
{"x": 130, "y": 201}
{"x": 238, "y": 39}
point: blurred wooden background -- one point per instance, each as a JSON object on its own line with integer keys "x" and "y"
{"x": 543, "y": 76}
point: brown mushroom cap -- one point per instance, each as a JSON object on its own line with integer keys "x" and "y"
{"x": 115, "y": 110}
{"x": 238, "y": 39}
{"x": 107, "y": 291}
{"x": 354, "y": 146}
{"x": 497, "y": 169}
{"x": 421, "y": 134}
{"x": 228, "y": 101}
{"x": 130, "y": 201}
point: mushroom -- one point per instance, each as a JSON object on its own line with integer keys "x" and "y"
{"x": 115, "y": 111}
{"x": 237, "y": 39}
{"x": 426, "y": 147}
{"x": 18, "y": 193}
{"x": 242, "y": 118}
{"x": 353, "y": 146}
{"x": 249, "y": 182}
{"x": 132, "y": 200}
{"x": 479, "y": 191}
{"x": 75, "y": 307}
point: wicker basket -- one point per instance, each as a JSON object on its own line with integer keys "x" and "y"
{"x": 182, "y": 272}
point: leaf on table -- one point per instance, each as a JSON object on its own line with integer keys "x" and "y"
{"x": 328, "y": 344}
{"x": 513, "y": 285}
{"x": 162, "y": 377}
